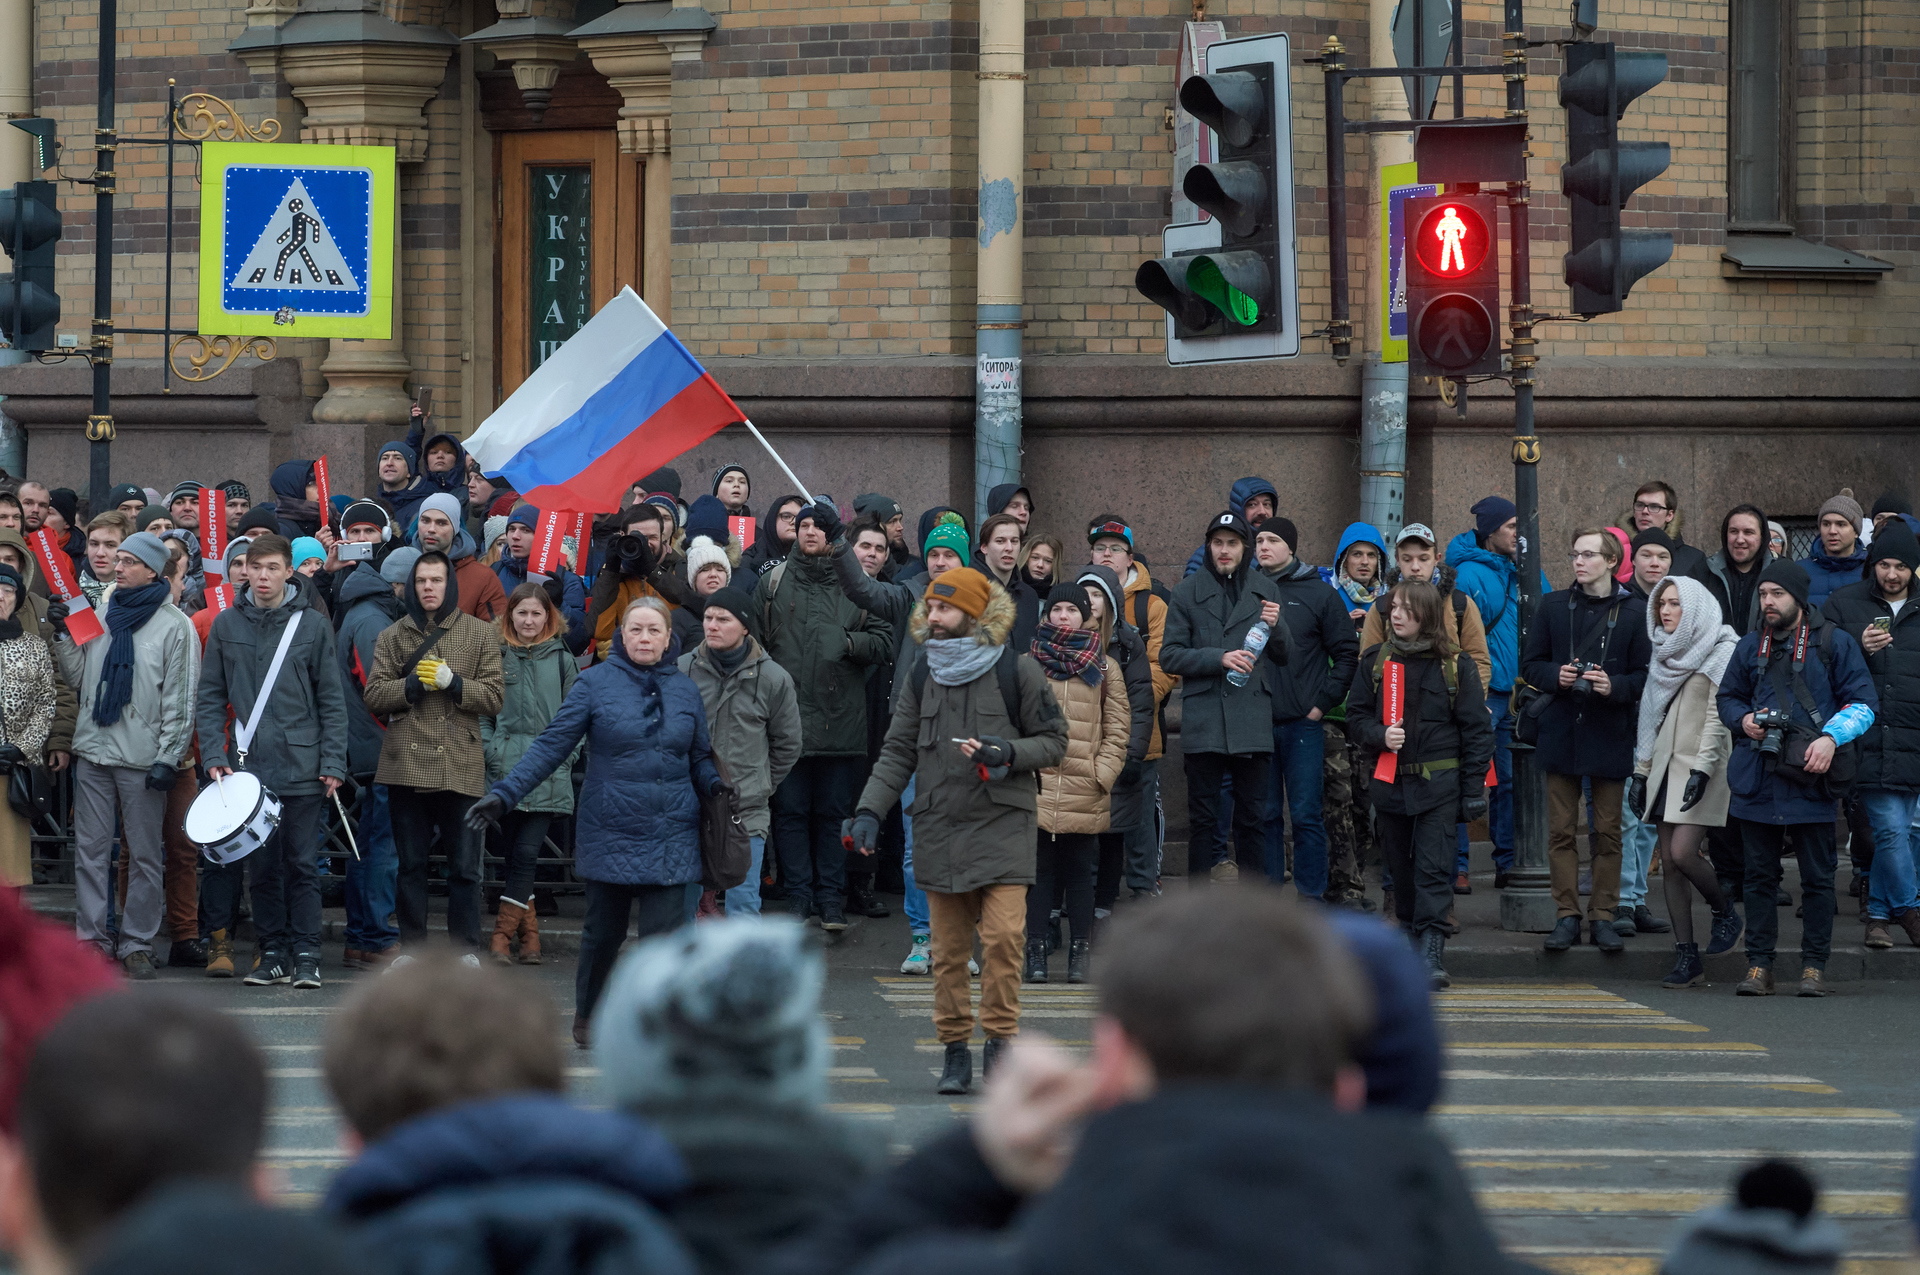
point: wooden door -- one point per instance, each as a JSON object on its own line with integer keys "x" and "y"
{"x": 569, "y": 218}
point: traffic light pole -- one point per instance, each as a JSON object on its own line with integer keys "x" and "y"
{"x": 100, "y": 423}
{"x": 1527, "y": 903}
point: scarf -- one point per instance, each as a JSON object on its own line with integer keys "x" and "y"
{"x": 1066, "y": 653}
{"x": 728, "y": 661}
{"x": 1363, "y": 595}
{"x": 957, "y": 661}
{"x": 1699, "y": 644}
{"x": 10, "y": 627}
{"x": 129, "y": 610}
{"x": 1418, "y": 649}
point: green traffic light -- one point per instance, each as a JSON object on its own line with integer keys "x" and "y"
{"x": 1206, "y": 281}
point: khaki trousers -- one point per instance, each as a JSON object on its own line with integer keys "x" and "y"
{"x": 1566, "y": 817}
{"x": 999, "y": 914}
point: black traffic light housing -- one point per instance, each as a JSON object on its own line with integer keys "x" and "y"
{"x": 1453, "y": 285}
{"x": 30, "y": 232}
{"x": 1602, "y": 172}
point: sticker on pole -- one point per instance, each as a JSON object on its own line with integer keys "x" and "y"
{"x": 302, "y": 237}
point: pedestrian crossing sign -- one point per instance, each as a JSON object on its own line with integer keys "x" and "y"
{"x": 296, "y": 241}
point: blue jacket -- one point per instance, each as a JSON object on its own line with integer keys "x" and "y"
{"x": 1492, "y": 580}
{"x": 1356, "y": 533}
{"x": 1765, "y": 798}
{"x": 527, "y": 1182}
{"x": 573, "y": 595}
{"x": 1825, "y": 574}
{"x": 648, "y": 761}
{"x": 1243, "y": 490}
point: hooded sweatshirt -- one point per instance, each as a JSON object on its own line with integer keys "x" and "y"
{"x": 1243, "y": 491}
{"x": 1357, "y": 533}
{"x": 454, "y": 481}
{"x": 767, "y": 551}
{"x": 368, "y": 605}
{"x": 298, "y": 515}
{"x": 480, "y": 593}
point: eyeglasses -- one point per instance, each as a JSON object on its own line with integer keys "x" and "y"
{"x": 1643, "y": 507}
{"x": 1584, "y": 555}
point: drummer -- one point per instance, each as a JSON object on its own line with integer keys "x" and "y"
{"x": 295, "y": 745}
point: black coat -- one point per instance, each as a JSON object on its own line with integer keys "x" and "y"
{"x": 1199, "y": 1179}
{"x": 1588, "y": 734}
{"x": 1890, "y": 748}
{"x": 1323, "y": 646}
{"x": 1437, "y": 729}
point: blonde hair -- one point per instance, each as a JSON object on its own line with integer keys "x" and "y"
{"x": 648, "y": 603}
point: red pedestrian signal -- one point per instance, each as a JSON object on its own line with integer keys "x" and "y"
{"x": 1453, "y": 286}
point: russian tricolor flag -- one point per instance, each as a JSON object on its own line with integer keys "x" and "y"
{"x": 620, "y": 399}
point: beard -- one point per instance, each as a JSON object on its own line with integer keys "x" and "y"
{"x": 941, "y": 632}
{"x": 1786, "y": 619}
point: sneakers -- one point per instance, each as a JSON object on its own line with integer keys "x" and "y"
{"x": 1606, "y": 938}
{"x": 957, "y": 1076}
{"x": 1727, "y": 929}
{"x": 990, "y": 1056}
{"x": 1687, "y": 968}
{"x": 973, "y": 968}
{"x": 861, "y": 901}
{"x": 1647, "y": 923}
{"x": 1877, "y": 935}
{"x": 139, "y": 966}
{"x": 1461, "y": 884}
{"x": 1813, "y": 982}
{"x": 1227, "y": 872}
{"x": 220, "y": 955}
{"x": 832, "y": 919}
{"x": 920, "y": 956}
{"x": 1036, "y": 967}
{"x": 471, "y": 961}
{"x": 187, "y": 954}
{"x": 401, "y": 962}
{"x": 306, "y": 969}
{"x": 1566, "y": 933}
{"x": 1758, "y": 982}
{"x": 1433, "y": 945}
{"x": 273, "y": 967}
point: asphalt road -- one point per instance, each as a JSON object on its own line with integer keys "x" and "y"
{"x": 1591, "y": 1117}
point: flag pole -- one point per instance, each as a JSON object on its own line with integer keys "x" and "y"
{"x": 762, "y": 439}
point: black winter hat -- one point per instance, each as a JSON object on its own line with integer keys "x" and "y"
{"x": 1283, "y": 528}
{"x": 735, "y": 602}
{"x": 1651, "y": 536}
{"x": 1897, "y": 541}
{"x": 1068, "y": 591}
{"x": 1227, "y": 520}
{"x": 260, "y": 518}
{"x": 1892, "y": 502}
{"x": 662, "y": 479}
{"x": 1790, "y": 576}
{"x": 122, "y": 493}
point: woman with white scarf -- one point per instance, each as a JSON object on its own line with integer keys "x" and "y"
{"x": 1684, "y": 747}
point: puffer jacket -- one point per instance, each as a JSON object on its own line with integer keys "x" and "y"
{"x": 1890, "y": 748}
{"x": 433, "y": 741}
{"x": 302, "y": 735}
{"x": 1076, "y": 795}
{"x": 1203, "y": 625}
{"x": 648, "y": 761}
{"x": 453, "y": 481}
{"x": 537, "y": 679}
{"x": 1825, "y": 573}
{"x": 1492, "y": 580}
{"x": 1462, "y": 614}
{"x": 1440, "y": 728}
{"x": 368, "y": 605}
{"x": 827, "y": 644}
{"x": 753, "y": 723}
{"x": 1140, "y": 585}
{"x": 969, "y": 832}
{"x": 157, "y": 723}
{"x": 34, "y": 602}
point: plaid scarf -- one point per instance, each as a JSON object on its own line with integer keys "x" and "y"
{"x": 1065, "y": 653}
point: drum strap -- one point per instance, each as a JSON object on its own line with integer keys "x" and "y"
{"x": 243, "y": 734}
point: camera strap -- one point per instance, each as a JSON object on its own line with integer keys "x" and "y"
{"x": 1605, "y": 635}
{"x": 1790, "y": 686}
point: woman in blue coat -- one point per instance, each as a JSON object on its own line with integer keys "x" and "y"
{"x": 648, "y": 761}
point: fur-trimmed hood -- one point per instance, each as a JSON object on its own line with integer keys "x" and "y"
{"x": 991, "y": 629}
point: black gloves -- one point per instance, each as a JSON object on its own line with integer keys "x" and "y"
{"x": 606, "y": 587}
{"x": 556, "y": 589}
{"x": 414, "y": 691}
{"x": 994, "y": 752}
{"x": 160, "y": 777}
{"x": 9, "y": 758}
{"x": 824, "y": 516}
{"x": 720, "y": 786}
{"x": 486, "y": 812}
{"x": 57, "y": 614}
{"x": 862, "y": 832}
{"x": 1474, "y": 807}
{"x": 1130, "y": 774}
{"x": 1637, "y": 796}
{"x": 1695, "y": 790}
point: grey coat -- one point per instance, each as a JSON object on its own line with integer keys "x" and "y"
{"x": 157, "y": 724}
{"x": 753, "y": 723}
{"x": 1216, "y": 717}
{"x": 303, "y": 732}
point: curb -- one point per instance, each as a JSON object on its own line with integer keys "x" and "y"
{"x": 1645, "y": 962}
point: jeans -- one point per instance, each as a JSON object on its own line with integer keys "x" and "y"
{"x": 524, "y": 832}
{"x": 808, "y": 808}
{"x": 99, "y": 792}
{"x": 1891, "y": 883}
{"x": 373, "y": 877}
{"x": 1140, "y": 844}
{"x": 416, "y": 813}
{"x": 1500, "y": 797}
{"x": 915, "y": 905}
{"x": 1814, "y": 846}
{"x": 662, "y": 908}
{"x": 286, "y": 879}
{"x": 744, "y": 899}
{"x": 1205, "y": 774}
{"x": 1299, "y": 756}
{"x": 1636, "y": 856}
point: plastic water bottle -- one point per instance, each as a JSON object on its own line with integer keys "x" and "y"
{"x": 1256, "y": 642}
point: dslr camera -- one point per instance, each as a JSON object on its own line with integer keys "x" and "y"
{"x": 630, "y": 555}
{"x": 1582, "y": 688}
{"x": 1776, "y": 724}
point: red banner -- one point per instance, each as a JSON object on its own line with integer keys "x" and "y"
{"x": 326, "y": 491}
{"x": 213, "y": 532}
{"x": 1393, "y": 707}
{"x": 219, "y": 597}
{"x": 83, "y": 626}
{"x": 1493, "y": 776}
{"x": 549, "y": 551}
{"x": 580, "y": 521}
{"x": 741, "y": 529}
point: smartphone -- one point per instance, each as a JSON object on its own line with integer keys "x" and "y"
{"x": 351, "y": 552}
{"x": 1882, "y": 622}
{"x": 424, "y": 400}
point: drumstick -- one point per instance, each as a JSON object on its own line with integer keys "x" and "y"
{"x": 346, "y": 825}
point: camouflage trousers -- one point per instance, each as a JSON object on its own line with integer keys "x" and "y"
{"x": 1349, "y": 819}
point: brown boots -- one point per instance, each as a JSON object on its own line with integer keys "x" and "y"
{"x": 220, "y": 955}
{"x": 516, "y": 920}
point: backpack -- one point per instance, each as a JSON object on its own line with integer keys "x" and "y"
{"x": 1450, "y": 669}
{"x": 1006, "y": 671}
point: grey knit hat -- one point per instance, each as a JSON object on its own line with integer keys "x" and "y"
{"x": 147, "y": 547}
{"x": 399, "y": 565}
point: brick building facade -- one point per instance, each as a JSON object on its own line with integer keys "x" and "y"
{"x": 793, "y": 184}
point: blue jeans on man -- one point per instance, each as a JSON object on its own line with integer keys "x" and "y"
{"x": 744, "y": 899}
{"x": 1500, "y": 799}
{"x": 1892, "y": 883}
{"x": 915, "y": 904}
{"x": 373, "y": 877}
{"x": 1299, "y": 761}
{"x": 1637, "y": 838}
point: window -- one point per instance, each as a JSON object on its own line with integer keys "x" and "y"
{"x": 1760, "y": 169}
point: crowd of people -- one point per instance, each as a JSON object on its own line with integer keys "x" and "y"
{"x": 972, "y": 718}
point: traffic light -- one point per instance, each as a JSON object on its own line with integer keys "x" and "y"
{"x": 29, "y": 229}
{"x": 1234, "y": 298}
{"x": 1602, "y": 172}
{"x": 1453, "y": 285}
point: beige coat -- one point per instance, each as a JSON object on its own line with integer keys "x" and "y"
{"x": 1692, "y": 737}
{"x": 434, "y": 745}
{"x": 1075, "y": 796}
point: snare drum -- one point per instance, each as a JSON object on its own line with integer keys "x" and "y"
{"x": 232, "y": 818}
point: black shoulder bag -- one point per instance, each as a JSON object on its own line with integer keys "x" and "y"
{"x": 1791, "y": 763}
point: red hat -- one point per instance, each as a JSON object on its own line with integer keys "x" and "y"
{"x": 44, "y": 972}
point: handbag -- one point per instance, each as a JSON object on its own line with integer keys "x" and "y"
{"x": 1792, "y": 762}
{"x": 29, "y": 789}
{"x": 726, "y": 850}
